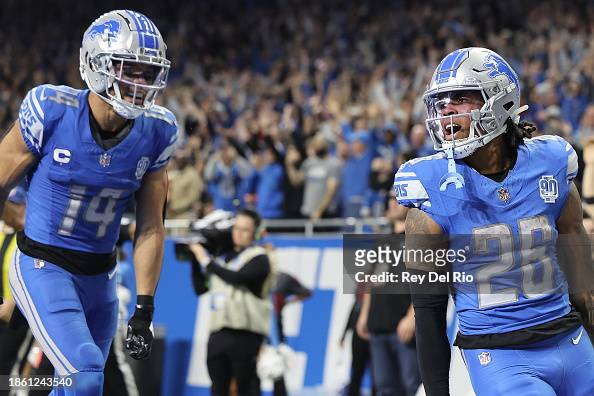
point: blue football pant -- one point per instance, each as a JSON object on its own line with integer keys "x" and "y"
{"x": 73, "y": 317}
{"x": 560, "y": 366}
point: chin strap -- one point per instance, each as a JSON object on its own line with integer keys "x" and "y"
{"x": 452, "y": 177}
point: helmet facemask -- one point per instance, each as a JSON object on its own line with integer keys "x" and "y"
{"x": 484, "y": 126}
{"x": 131, "y": 82}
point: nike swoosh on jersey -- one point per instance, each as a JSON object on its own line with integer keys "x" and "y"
{"x": 43, "y": 95}
{"x": 579, "y": 337}
{"x": 112, "y": 273}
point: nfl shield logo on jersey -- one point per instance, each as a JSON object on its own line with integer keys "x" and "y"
{"x": 104, "y": 160}
{"x": 549, "y": 189}
{"x": 484, "y": 358}
{"x": 141, "y": 167}
{"x": 503, "y": 194}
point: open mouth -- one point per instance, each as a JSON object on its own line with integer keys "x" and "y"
{"x": 451, "y": 130}
{"x": 137, "y": 100}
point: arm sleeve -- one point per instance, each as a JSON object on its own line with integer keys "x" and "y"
{"x": 433, "y": 347}
{"x": 252, "y": 273}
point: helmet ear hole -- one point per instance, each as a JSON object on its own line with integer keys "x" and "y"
{"x": 508, "y": 105}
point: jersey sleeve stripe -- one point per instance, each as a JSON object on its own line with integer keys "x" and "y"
{"x": 36, "y": 106}
{"x": 405, "y": 174}
{"x": 572, "y": 165}
{"x": 31, "y": 117}
{"x": 32, "y": 139}
{"x": 30, "y": 133}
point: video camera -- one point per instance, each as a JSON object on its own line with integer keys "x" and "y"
{"x": 213, "y": 232}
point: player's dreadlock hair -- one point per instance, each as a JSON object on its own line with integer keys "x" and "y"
{"x": 516, "y": 133}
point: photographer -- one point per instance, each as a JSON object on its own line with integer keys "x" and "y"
{"x": 239, "y": 281}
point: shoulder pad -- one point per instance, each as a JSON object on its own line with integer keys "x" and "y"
{"x": 168, "y": 144}
{"x": 415, "y": 177}
{"x": 61, "y": 95}
{"x": 161, "y": 113}
{"x": 417, "y": 184}
{"x": 41, "y": 106}
{"x": 557, "y": 152}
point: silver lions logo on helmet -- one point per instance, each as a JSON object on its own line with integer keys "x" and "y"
{"x": 549, "y": 189}
{"x": 110, "y": 28}
{"x": 141, "y": 167}
{"x": 498, "y": 67}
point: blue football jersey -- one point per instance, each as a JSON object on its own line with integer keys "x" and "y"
{"x": 78, "y": 191}
{"x": 506, "y": 229}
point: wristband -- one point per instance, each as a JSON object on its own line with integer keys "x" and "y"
{"x": 144, "y": 301}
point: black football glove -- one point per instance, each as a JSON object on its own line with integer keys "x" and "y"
{"x": 140, "y": 336}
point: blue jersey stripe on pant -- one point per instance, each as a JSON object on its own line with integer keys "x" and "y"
{"x": 560, "y": 366}
{"x": 24, "y": 301}
{"x": 73, "y": 317}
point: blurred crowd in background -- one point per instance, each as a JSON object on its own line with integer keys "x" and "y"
{"x": 303, "y": 108}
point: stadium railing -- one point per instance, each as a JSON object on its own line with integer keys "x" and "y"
{"x": 304, "y": 227}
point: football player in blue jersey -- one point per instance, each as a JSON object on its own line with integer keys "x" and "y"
{"x": 508, "y": 203}
{"x": 86, "y": 154}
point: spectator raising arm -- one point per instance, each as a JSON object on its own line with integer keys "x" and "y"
{"x": 296, "y": 176}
